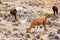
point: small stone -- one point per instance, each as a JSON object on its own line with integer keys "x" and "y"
{"x": 14, "y": 21}
{"x": 0, "y": 15}
{"x": 35, "y": 39}
{"x": 25, "y": 12}
{"x": 16, "y": 34}
{"x": 1, "y": 31}
{"x": 51, "y": 34}
{"x": 32, "y": 32}
{"x": 15, "y": 29}
{"x": 24, "y": 7}
{"x": 5, "y": 17}
{"x": 28, "y": 36}
{"x": 38, "y": 36}
{"x": 25, "y": 39}
{"x": 20, "y": 39}
{"x": 6, "y": 34}
{"x": 21, "y": 34}
{"x": 9, "y": 31}
{"x": 56, "y": 37}
{"x": 2, "y": 39}
{"x": 37, "y": 4}
{"x": 53, "y": 18}
{"x": 58, "y": 31}
{"x": 42, "y": 7}
{"x": 49, "y": 23}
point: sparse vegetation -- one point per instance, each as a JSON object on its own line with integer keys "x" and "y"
{"x": 56, "y": 24}
{"x": 4, "y": 29}
{"x": 16, "y": 29}
{"x": 49, "y": 23}
{"x": 0, "y": 28}
{"x": 1, "y": 9}
{"x": 15, "y": 23}
{"x": 0, "y": 2}
{"x": 48, "y": 15}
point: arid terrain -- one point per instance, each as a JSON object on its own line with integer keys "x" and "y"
{"x": 27, "y": 10}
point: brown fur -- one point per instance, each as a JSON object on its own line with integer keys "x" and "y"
{"x": 38, "y": 21}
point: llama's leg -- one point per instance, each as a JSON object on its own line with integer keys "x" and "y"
{"x": 54, "y": 12}
{"x": 11, "y": 17}
{"x": 44, "y": 28}
{"x": 28, "y": 30}
{"x": 31, "y": 26}
{"x": 15, "y": 17}
{"x": 44, "y": 24}
{"x": 57, "y": 11}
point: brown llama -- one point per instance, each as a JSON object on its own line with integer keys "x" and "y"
{"x": 37, "y": 21}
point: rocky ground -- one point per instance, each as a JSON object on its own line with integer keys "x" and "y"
{"x": 10, "y": 30}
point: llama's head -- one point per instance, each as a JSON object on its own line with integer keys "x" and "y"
{"x": 28, "y": 30}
